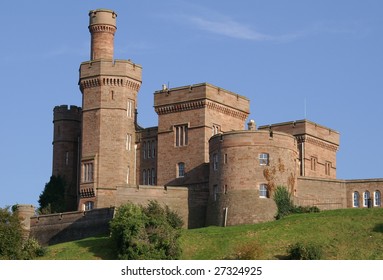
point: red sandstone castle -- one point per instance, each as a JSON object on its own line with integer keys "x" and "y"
{"x": 200, "y": 160}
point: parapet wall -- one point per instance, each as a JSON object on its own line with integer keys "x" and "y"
{"x": 58, "y": 228}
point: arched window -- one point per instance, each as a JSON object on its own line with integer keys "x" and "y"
{"x": 180, "y": 170}
{"x": 355, "y": 199}
{"x": 377, "y": 198}
{"x": 144, "y": 177}
{"x": 366, "y": 198}
{"x": 263, "y": 191}
{"x": 153, "y": 177}
{"x": 149, "y": 177}
{"x": 89, "y": 205}
{"x": 144, "y": 150}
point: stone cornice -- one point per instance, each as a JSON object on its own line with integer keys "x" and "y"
{"x": 317, "y": 142}
{"x": 109, "y": 81}
{"x": 198, "y": 104}
{"x": 102, "y": 28}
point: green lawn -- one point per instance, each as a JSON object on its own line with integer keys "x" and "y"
{"x": 345, "y": 234}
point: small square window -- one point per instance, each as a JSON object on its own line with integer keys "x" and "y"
{"x": 263, "y": 159}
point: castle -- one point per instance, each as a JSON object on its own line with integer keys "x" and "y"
{"x": 204, "y": 159}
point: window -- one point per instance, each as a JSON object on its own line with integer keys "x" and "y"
{"x": 181, "y": 132}
{"x": 328, "y": 168}
{"x": 153, "y": 149}
{"x": 149, "y": 177}
{"x": 153, "y": 177}
{"x": 149, "y": 155}
{"x": 89, "y": 205}
{"x": 355, "y": 199}
{"x": 215, "y": 161}
{"x": 66, "y": 158}
{"x": 181, "y": 170}
{"x": 263, "y": 192}
{"x": 127, "y": 175}
{"x": 263, "y": 159}
{"x": 144, "y": 149}
{"x": 366, "y": 198}
{"x": 377, "y": 198}
{"x": 87, "y": 169}
{"x": 215, "y": 129}
{"x": 225, "y": 159}
{"x": 128, "y": 142}
{"x": 215, "y": 192}
{"x": 314, "y": 161}
{"x": 130, "y": 109}
{"x": 144, "y": 177}
{"x": 225, "y": 189}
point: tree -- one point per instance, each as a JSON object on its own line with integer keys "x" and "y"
{"x": 11, "y": 235}
{"x": 150, "y": 232}
{"x": 52, "y": 199}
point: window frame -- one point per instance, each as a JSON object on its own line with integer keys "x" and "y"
{"x": 355, "y": 199}
{"x": 181, "y": 135}
{"x": 366, "y": 197}
{"x": 180, "y": 170}
{"x": 264, "y": 159}
{"x": 377, "y": 197}
{"x": 263, "y": 191}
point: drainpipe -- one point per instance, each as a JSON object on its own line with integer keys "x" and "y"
{"x": 226, "y": 209}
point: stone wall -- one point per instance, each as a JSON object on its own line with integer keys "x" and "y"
{"x": 58, "y": 228}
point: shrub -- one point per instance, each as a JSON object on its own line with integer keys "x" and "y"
{"x": 32, "y": 249}
{"x": 283, "y": 201}
{"x": 11, "y": 235}
{"x": 248, "y": 251}
{"x": 301, "y": 251}
{"x": 143, "y": 233}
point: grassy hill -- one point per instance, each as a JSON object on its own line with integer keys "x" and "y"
{"x": 345, "y": 234}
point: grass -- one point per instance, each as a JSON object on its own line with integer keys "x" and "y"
{"x": 346, "y": 234}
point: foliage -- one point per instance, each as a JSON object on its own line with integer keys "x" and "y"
{"x": 32, "y": 249}
{"x": 150, "y": 232}
{"x": 251, "y": 250}
{"x": 285, "y": 205}
{"x": 283, "y": 201}
{"x": 302, "y": 251}
{"x": 52, "y": 199}
{"x": 11, "y": 235}
{"x": 12, "y": 244}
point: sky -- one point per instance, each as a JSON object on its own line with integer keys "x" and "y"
{"x": 297, "y": 59}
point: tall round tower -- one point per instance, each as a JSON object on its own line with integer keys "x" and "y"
{"x": 109, "y": 97}
{"x": 102, "y": 26}
{"x": 66, "y": 150}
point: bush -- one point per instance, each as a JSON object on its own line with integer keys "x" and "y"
{"x": 248, "y": 251}
{"x": 283, "y": 201}
{"x": 146, "y": 233}
{"x": 32, "y": 249}
{"x": 301, "y": 251}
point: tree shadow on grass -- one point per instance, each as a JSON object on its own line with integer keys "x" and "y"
{"x": 101, "y": 247}
{"x": 378, "y": 228}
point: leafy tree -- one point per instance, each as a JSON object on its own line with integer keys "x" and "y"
{"x": 143, "y": 233}
{"x": 11, "y": 235}
{"x": 13, "y": 246}
{"x": 52, "y": 199}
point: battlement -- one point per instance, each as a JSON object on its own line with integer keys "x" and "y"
{"x": 65, "y": 112}
{"x": 306, "y": 127}
{"x": 199, "y": 95}
{"x": 110, "y": 72}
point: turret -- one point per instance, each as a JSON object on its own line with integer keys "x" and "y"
{"x": 66, "y": 150}
{"x": 102, "y": 26}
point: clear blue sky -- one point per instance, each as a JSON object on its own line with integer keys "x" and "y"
{"x": 280, "y": 54}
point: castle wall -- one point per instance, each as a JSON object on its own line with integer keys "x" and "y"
{"x": 58, "y": 228}
{"x": 326, "y": 194}
{"x": 189, "y": 202}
